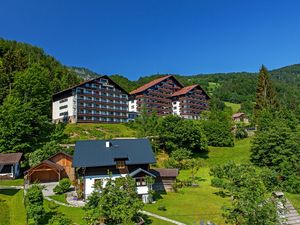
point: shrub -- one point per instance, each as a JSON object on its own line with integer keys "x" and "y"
{"x": 217, "y": 182}
{"x": 59, "y": 219}
{"x": 34, "y": 204}
{"x": 162, "y": 208}
{"x": 63, "y": 186}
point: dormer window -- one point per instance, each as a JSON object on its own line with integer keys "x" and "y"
{"x": 120, "y": 164}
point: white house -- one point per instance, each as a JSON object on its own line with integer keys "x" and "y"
{"x": 96, "y": 159}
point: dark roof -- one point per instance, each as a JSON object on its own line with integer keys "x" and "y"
{"x": 82, "y": 83}
{"x": 152, "y": 83}
{"x": 94, "y": 153}
{"x": 164, "y": 172}
{"x": 10, "y": 158}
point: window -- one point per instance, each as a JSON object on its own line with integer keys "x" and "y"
{"x": 63, "y": 114}
{"x": 120, "y": 164}
{"x": 63, "y": 107}
{"x": 140, "y": 181}
{"x": 103, "y": 80}
{"x": 63, "y": 100}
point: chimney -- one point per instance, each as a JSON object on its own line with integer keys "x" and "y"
{"x": 108, "y": 144}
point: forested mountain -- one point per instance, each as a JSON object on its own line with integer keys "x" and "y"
{"x": 28, "y": 78}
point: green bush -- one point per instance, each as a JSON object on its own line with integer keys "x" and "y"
{"x": 217, "y": 182}
{"x": 59, "y": 219}
{"x": 63, "y": 186}
{"x": 34, "y": 204}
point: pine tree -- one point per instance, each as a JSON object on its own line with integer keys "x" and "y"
{"x": 265, "y": 94}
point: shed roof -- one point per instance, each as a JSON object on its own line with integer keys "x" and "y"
{"x": 165, "y": 172}
{"x": 94, "y": 153}
{"x": 237, "y": 115}
{"x": 10, "y": 158}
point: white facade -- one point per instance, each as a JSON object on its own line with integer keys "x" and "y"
{"x": 132, "y": 105}
{"x": 89, "y": 182}
{"x": 176, "y": 108}
{"x": 63, "y": 108}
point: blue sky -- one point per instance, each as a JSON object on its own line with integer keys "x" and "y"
{"x": 142, "y": 37}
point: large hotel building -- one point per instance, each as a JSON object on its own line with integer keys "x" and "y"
{"x": 95, "y": 101}
{"x": 166, "y": 95}
{"x": 103, "y": 101}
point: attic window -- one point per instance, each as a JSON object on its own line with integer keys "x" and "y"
{"x": 120, "y": 164}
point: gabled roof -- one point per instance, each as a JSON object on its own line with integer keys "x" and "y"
{"x": 184, "y": 90}
{"x": 66, "y": 154}
{"x": 152, "y": 83}
{"x": 10, "y": 158}
{"x": 132, "y": 174}
{"x": 187, "y": 89}
{"x": 91, "y": 80}
{"x": 48, "y": 163}
{"x": 165, "y": 172}
{"x": 94, "y": 153}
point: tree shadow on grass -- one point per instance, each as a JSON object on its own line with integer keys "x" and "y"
{"x": 9, "y": 192}
{"x": 222, "y": 194}
{"x": 158, "y": 195}
{"x": 201, "y": 154}
{"x": 200, "y": 179}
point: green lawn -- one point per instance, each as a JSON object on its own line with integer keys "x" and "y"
{"x": 12, "y": 211}
{"x": 295, "y": 200}
{"x": 193, "y": 204}
{"x": 235, "y": 107}
{"x": 97, "y": 131}
{"x": 16, "y": 182}
{"x": 59, "y": 198}
{"x": 240, "y": 153}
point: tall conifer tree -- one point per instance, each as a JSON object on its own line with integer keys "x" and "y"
{"x": 265, "y": 94}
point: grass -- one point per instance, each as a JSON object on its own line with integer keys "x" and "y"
{"x": 295, "y": 200}
{"x": 59, "y": 198}
{"x": 73, "y": 213}
{"x": 12, "y": 210}
{"x": 16, "y": 182}
{"x": 193, "y": 204}
{"x": 97, "y": 131}
{"x": 240, "y": 153}
{"x": 235, "y": 107}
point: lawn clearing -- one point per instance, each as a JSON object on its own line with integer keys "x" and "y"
{"x": 97, "y": 131}
{"x": 235, "y": 107}
{"x": 193, "y": 204}
{"x": 12, "y": 210}
{"x": 240, "y": 153}
{"x": 15, "y": 182}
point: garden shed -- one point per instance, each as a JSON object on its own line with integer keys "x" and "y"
{"x": 52, "y": 169}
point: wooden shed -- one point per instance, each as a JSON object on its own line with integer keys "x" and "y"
{"x": 10, "y": 165}
{"x": 165, "y": 178}
{"x": 52, "y": 169}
